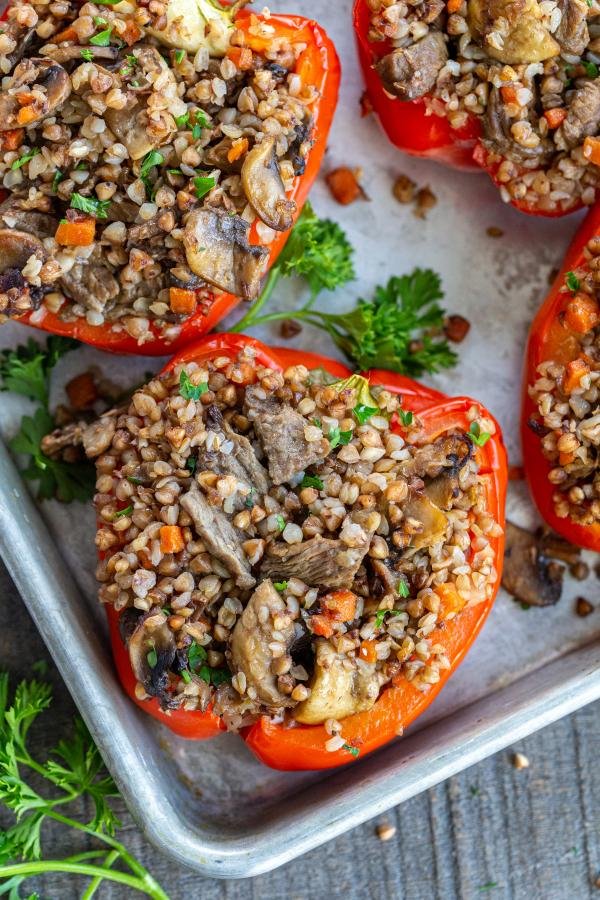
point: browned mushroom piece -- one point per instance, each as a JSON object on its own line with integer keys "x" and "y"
{"x": 16, "y": 247}
{"x": 263, "y": 187}
{"x": 529, "y": 574}
{"x": 132, "y": 128}
{"x": 152, "y": 651}
{"x": 42, "y": 77}
{"x": 217, "y": 250}
{"x": 69, "y": 53}
{"x": 511, "y": 31}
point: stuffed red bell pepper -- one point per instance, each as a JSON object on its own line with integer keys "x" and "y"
{"x": 510, "y": 88}
{"x": 561, "y": 407}
{"x": 153, "y": 162}
{"x": 293, "y": 552}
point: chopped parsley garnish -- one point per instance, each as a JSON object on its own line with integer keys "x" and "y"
{"x": 151, "y": 159}
{"x": 591, "y": 69}
{"x": 382, "y": 613}
{"x": 102, "y": 39}
{"x": 191, "y": 464}
{"x": 188, "y": 389}
{"x": 22, "y": 160}
{"x": 152, "y": 658}
{"x": 572, "y": 281}
{"x": 214, "y": 676}
{"x": 200, "y": 123}
{"x": 280, "y": 586}
{"x": 26, "y": 369}
{"x": 90, "y": 205}
{"x": 317, "y": 422}
{"x": 179, "y": 56}
{"x": 339, "y": 438}
{"x": 133, "y": 480}
{"x": 196, "y": 656}
{"x": 182, "y": 121}
{"x": 174, "y": 171}
{"x": 86, "y": 54}
{"x": 249, "y": 501}
{"x": 203, "y": 184}
{"x": 478, "y": 436}
{"x": 402, "y": 588}
{"x": 130, "y": 65}
{"x": 58, "y": 177}
{"x": 123, "y": 512}
{"x": 406, "y": 417}
{"x": 525, "y": 606}
{"x": 186, "y": 676}
{"x": 354, "y": 751}
{"x": 280, "y": 521}
{"x": 312, "y": 481}
{"x": 363, "y": 413}
{"x": 100, "y": 20}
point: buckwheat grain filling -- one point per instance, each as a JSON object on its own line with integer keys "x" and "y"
{"x": 278, "y": 548}
{"x": 527, "y": 70}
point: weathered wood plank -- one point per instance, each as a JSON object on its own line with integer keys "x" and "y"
{"x": 490, "y": 832}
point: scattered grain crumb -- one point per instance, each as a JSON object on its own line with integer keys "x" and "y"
{"x": 494, "y": 232}
{"x": 366, "y": 107}
{"x": 520, "y": 761}
{"x": 456, "y": 328}
{"x": 580, "y": 570}
{"x": 385, "y": 831}
{"x": 344, "y": 184}
{"x": 424, "y": 201}
{"x": 404, "y": 189}
{"x": 290, "y": 328}
{"x": 583, "y": 607}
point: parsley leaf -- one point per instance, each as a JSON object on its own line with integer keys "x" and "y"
{"x": 86, "y": 54}
{"x": 591, "y": 69}
{"x": 354, "y": 751}
{"x": 339, "y": 438}
{"x": 152, "y": 658}
{"x": 151, "y": 159}
{"x": 402, "y": 588}
{"x": 123, "y": 512}
{"x": 572, "y": 281}
{"x": 90, "y": 205}
{"x": 179, "y": 56}
{"x": 182, "y": 121}
{"x": 280, "y": 521}
{"x": 66, "y": 481}
{"x": 188, "y": 389}
{"x": 102, "y": 39}
{"x": 363, "y": 413}
{"x": 382, "y": 613}
{"x": 479, "y": 437}
{"x": 406, "y": 416}
{"x": 280, "y": 586}
{"x": 22, "y": 160}
{"x": 196, "y": 656}
{"x": 58, "y": 177}
{"x": 191, "y": 463}
{"x": 203, "y": 184}
{"x": 312, "y": 481}
{"x": 26, "y": 369}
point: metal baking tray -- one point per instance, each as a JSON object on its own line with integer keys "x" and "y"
{"x": 210, "y": 805}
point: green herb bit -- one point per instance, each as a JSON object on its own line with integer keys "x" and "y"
{"x": 474, "y": 791}
{"x": 406, "y": 417}
{"x": 133, "y": 480}
{"x": 382, "y": 613}
{"x": 339, "y": 438}
{"x": 525, "y": 606}
{"x": 191, "y": 463}
{"x": 572, "y": 281}
{"x": 280, "y": 521}
{"x": 151, "y": 159}
{"x": 179, "y": 56}
{"x": 123, "y": 512}
{"x": 100, "y": 20}
{"x": 102, "y": 39}
{"x": 58, "y": 177}
{"x": 249, "y": 501}
{"x": 196, "y": 656}
{"x": 312, "y": 481}
{"x": 203, "y": 184}
{"x": 280, "y": 586}
{"x": 152, "y": 658}
{"x": 22, "y": 160}
{"x": 90, "y": 205}
{"x": 186, "y": 676}
{"x": 317, "y": 422}
{"x": 402, "y": 588}
{"x": 591, "y": 69}
{"x": 86, "y": 54}
{"x": 479, "y": 437}
{"x": 26, "y": 369}
{"x": 182, "y": 122}
{"x": 189, "y": 390}
{"x": 354, "y": 751}
{"x": 363, "y": 413}
{"x": 174, "y": 171}
{"x": 219, "y": 676}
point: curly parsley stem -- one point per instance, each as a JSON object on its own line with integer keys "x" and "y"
{"x": 252, "y": 316}
{"x": 144, "y": 885}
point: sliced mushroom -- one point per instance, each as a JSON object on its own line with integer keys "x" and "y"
{"x": 261, "y": 180}
{"x": 131, "y": 128}
{"x": 435, "y": 523}
{"x": 152, "y": 652}
{"x": 67, "y": 54}
{"x": 252, "y": 640}
{"x": 529, "y": 575}
{"x": 217, "y": 249}
{"x": 447, "y": 453}
{"x": 335, "y": 690}
{"x": 36, "y": 71}
{"x": 511, "y": 31}
{"x": 443, "y": 490}
{"x": 16, "y": 247}
{"x": 192, "y": 24}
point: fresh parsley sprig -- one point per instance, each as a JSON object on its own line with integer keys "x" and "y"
{"x": 74, "y": 769}
{"x": 26, "y": 369}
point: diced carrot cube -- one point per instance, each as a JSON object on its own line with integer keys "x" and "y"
{"x": 76, "y": 233}
{"x": 131, "y": 33}
{"x": 339, "y": 605}
{"x": 12, "y": 140}
{"x": 69, "y": 34}
{"x": 237, "y": 149}
{"x": 453, "y": 6}
{"x": 582, "y": 313}
{"x": 575, "y": 371}
{"x": 26, "y": 115}
{"x": 182, "y": 301}
{"x": 321, "y": 625}
{"x": 368, "y": 651}
{"x": 344, "y": 185}
{"x": 509, "y": 93}
{"x": 452, "y": 602}
{"x": 591, "y": 150}
{"x": 241, "y": 57}
{"x": 555, "y": 117}
{"x": 171, "y": 539}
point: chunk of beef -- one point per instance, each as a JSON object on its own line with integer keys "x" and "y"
{"x": 583, "y": 114}
{"x": 281, "y": 432}
{"x": 411, "y": 72}
{"x": 241, "y": 462}
{"x": 318, "y": 561}
{"x": 498, "y": 136}
{"x": 572, "y": 34}
{"x": 91, "y": 284}
{"x": 14, "y": 215}
{"x": 219, "y": 535}
{"x": 251, "y": 641}
{"x": 144, "y": 231}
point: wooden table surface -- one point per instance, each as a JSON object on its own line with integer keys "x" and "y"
{"x": 492, "y": 832}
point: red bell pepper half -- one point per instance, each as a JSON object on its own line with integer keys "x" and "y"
{"x": 411, "y": 128}
{"x": 318, "y": 66}
{"x": 555, "y": 335}
{"x": 303, "y": 746}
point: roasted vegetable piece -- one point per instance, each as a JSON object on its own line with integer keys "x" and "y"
{"x": 560, "y": 425}
{"x": 372, "y": 715}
